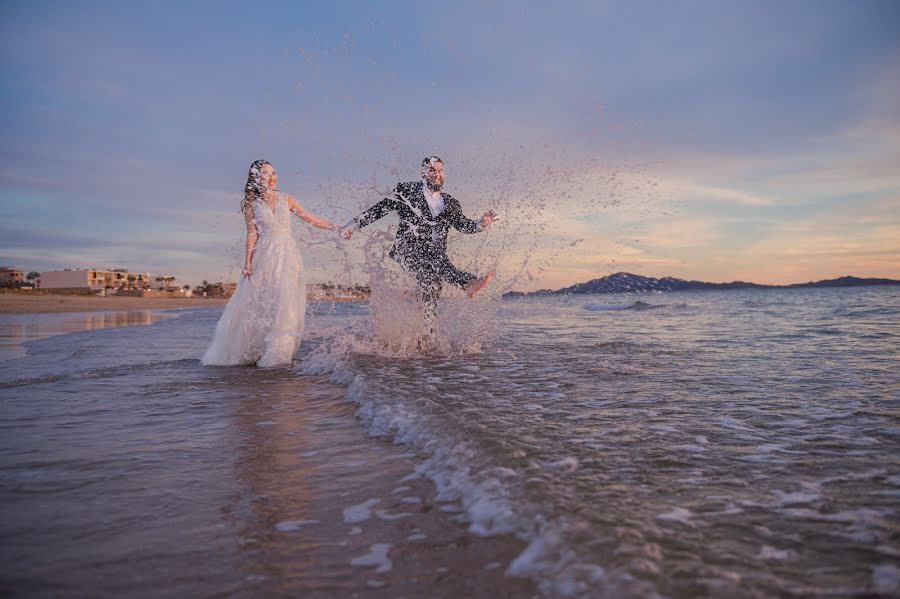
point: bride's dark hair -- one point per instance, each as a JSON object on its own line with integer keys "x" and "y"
{"x": 253, "y": 188}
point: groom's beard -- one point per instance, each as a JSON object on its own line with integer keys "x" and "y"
{"x": 434, "y": 186}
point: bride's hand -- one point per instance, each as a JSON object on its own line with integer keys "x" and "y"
{"x": 248, "y": 270}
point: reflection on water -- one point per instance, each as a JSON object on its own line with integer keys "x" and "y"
{"x": 716, "y": 444}
{"x": 18, "y": 329}
{"x": 128, "y": 469}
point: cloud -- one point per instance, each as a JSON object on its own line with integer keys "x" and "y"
{"x": 692, "y": 151}
{"x": 684, "y": 232}
{"x": 688, "y": 191}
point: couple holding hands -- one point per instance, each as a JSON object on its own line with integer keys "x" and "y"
{"x": 263, "y": 321}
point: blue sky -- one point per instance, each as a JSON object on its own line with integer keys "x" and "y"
{"x": 708, "y": 140}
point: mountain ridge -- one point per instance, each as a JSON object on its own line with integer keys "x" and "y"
{"x": 624, "y": 282}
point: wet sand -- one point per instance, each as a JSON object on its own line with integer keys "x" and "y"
{"x": 258, "y": 484}
{"x": 327, "y": 500}
{"x": 163, "y": 478}
{"x": 21, "y": 303}
{"x": 18, "y": 329}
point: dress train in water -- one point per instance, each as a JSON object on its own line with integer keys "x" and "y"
{"x": 263, "y": 321}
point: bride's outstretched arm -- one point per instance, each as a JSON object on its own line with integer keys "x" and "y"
{"x": 252, "y": 235}
{"x": 316, "y": 221}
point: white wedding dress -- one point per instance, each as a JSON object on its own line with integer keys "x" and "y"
{"x": 263, "y": 321}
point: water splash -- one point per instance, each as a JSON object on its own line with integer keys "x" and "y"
{"x": 537, "y": 195}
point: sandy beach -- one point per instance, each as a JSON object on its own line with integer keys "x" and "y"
{"x": 21, "y": 303}
{"x": 167, "y": 478}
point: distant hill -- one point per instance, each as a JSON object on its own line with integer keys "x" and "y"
{"x": 846, "y": 282}
{"x": 625, "y": 282}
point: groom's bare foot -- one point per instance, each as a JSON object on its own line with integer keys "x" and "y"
{"x": 476, "y": 285}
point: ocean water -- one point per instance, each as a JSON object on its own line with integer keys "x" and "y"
{"x": 18, "y": 329}
{"x": 704, "y": 444}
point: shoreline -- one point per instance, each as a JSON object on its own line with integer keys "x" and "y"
{"x": 19, "y": 303}
{"x": 222, "y": 481}
{"x": 354, "y": 506}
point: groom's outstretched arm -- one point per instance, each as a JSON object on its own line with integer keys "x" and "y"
{"x": 370, "y": 215}
{"x": 467, "y": 225}
{"x": 379, "y": 210}
{"x": 458, "y": 220}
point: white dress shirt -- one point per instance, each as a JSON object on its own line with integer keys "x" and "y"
{"x": 434, "y": 198}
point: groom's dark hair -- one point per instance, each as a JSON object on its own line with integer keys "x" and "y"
{"x": 429, "y": 161}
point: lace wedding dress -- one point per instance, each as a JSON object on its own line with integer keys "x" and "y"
{"x": 263, "y": 321}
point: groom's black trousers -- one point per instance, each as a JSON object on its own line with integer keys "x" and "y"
{"x": 432, "y": 268}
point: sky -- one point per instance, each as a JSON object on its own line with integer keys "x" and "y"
{"x": 716, "y": 141}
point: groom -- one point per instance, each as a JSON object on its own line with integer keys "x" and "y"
{"x": 426, "y": 215}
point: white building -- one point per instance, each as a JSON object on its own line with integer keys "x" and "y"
{"x": 10, "y": 276}
{"x": 93, "y": 279}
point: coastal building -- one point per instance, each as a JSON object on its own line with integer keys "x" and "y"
{"x": 162, "y": 282}
{"x": 116, "y": 279}
{"x": 11, "y": 276}
{"x": 220, "y": 289}
{"x": 167, "y": 286}
{"x": 330, "y": 292}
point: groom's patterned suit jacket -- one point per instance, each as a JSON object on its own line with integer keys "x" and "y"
{"x": 419, "y": 235}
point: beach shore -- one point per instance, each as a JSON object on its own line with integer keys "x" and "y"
{"x": 168, "y": 478}
{"x": 335, "y": 513}
{"x": 22, "y": 303}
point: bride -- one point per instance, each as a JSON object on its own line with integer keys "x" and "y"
{"x": 263, "y": 321}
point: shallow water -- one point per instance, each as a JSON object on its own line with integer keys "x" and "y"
{"x": 18, "y": 329}
{"x": 736, "y": 443}
{"x": 127, "y": 468}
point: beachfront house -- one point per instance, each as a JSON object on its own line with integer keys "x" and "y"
{"x": 167, "y": 286}
{"x": 81, "y": 279}
{"x": 331, "y": 292}
{"x": 11, "y": 276}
